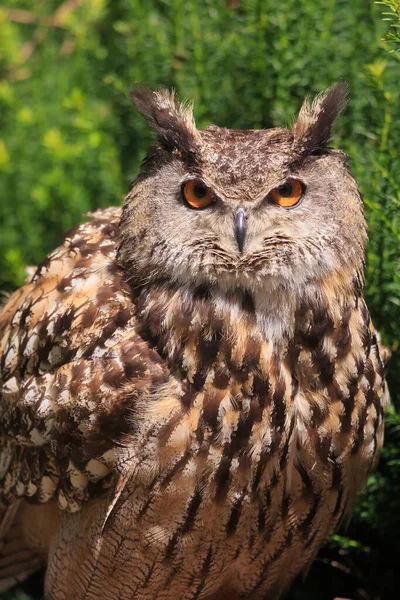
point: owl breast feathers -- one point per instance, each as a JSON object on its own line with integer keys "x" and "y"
{"x": 191, "y": 389}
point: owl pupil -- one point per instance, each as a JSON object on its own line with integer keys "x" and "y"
{"x": 200, "y": 190}
{"x": 285, "y": 190}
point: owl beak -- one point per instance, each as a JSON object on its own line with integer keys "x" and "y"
{"x": 240, "y": 228}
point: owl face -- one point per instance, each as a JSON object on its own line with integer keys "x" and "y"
{"x": 243, "y": 208}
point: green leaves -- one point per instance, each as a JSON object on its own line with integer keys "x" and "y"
{"x": 393, "y": 16}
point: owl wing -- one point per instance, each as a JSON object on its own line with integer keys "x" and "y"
{"x": 72, "y": 369}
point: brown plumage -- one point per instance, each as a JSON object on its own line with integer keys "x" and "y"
{"x": 191, "y": 398}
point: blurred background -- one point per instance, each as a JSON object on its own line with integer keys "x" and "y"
{"x": 70, "y": 142}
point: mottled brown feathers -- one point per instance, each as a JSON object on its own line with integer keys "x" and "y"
{"x": 186, "y": 418}
{"x": 58, "y": 345}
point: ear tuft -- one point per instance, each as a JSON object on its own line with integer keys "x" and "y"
{"x": 172, "y": 120}
{"x": 312, "y": 129}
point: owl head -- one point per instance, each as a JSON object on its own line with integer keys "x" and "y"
{"x": 248, "y": 209}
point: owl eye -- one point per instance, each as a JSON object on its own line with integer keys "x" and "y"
{"x": 197, "y": 194}
{"x": 288, "y": 194}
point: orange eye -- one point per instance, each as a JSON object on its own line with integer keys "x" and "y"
{"x": 288, "y": 194}
{"x": 197, "y": 194}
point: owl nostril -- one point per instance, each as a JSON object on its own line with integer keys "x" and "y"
{"x": 240, "y": 228}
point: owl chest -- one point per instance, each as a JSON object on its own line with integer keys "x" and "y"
{"x": 228, "y": 413}
{"x": 219, "y": 504}
{"x": 222, "y": 437}
{"x": 233, "y": 497}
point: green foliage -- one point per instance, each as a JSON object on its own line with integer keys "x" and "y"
{"x": 70, "y": 142}
{"x": 393, "y": 15}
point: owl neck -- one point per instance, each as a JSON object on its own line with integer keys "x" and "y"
{"x": 199, "y": 329}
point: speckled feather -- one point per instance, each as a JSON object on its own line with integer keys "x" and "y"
{"x": 72, "y": 366}
{"x": 205, "y": 431}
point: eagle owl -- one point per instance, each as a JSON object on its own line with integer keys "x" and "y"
{"x": 192, "y": 392}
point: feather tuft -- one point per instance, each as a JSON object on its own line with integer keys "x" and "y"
{"x": 312, "y": 129}
{"x": 172, "y": 120}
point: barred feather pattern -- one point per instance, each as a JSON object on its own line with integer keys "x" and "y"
{"x": 221, "y": 459}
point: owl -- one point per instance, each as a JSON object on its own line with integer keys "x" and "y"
{"x": 192, "y": 391}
